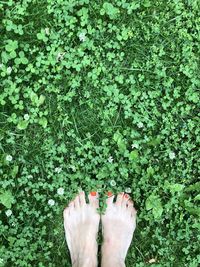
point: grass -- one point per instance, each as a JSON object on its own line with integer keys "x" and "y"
{"x": 129, "y": 91}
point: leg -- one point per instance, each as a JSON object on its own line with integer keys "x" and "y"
{"x": 81, "y": 223}
{"x": 118, "y": 223}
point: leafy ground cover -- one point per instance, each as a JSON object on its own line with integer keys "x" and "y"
{"x": 100, "y": 96}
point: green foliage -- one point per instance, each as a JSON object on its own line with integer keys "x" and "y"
{"x": 153, "y": 203}
{"x": 99, "y": 95}
{"x": 109, "y": 10}
{"x": 6, "y": 198}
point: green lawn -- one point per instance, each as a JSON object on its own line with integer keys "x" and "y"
{"x": 100, "y": 96}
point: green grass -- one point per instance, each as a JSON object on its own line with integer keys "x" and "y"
{"x": 133, "y": 80}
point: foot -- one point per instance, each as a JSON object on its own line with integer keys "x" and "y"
{"x": 118, "y": 225}
{"x": 81, "y": 223}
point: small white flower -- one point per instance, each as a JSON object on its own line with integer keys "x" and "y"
{"x": 128, "y": 190}
{"x": 51, "y": 202}
{"x": 82, "y": 37}
{"x": 110, "y": 159}
{"x": 172, "y": 155}
{"x": 47, "y": 31}
{"x": 140, "y": 125}
{"x": 60, "y": 56}
{"x": 73, "y": 168}
{"x": 60, "y": 191}
{"x": 8, "y": 213}
{"x": 9, "y": 70}
{"x": 26, "y": 117}
{"x": 58, "y": 169}
{"x": 9, "y": 158}
{"x": 135, "y": 146}
{"x": 152, "y": 260}
{"x": 113, "y": 183}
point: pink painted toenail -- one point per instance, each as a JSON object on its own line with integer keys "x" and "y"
{"x": 109, "y": 194}
{"x": 126, "y": 196}
{"x": 93, "y": 194}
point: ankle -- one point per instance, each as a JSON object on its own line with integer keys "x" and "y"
{"x": 85, "y": 258}
{"x": 111, "y": 256}
{"x": 111, "y": 261}
{"x": 87, "y": 262}
{"x": 86, "y": 255}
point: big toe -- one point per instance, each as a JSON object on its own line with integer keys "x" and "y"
{"x": 94, "y": 199}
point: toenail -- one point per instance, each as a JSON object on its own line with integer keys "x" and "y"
{"x": 126, "y": 196}
{"x": 93, "y": 194}
{"x": 109, "y": 194}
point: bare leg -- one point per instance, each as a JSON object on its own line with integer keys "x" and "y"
{"x": 81, "y": 223}
{"x": 118, "y": 223}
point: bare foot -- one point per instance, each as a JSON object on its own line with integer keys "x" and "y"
{"x": 118, "y": 225}
{"x": 81, "y": 223}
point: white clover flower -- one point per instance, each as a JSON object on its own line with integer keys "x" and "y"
{"x": 8, "y": 213}
{"x": 110, "y": 159}
{"x": 51, "y": 202}
{"x": 9, "y": 70}
{"x": 60, "y": 191}
{"x": 47, "y": 31}
{"x": 58, "y": 169}
{"x": 135, "y": 146}
{"x": 172, "y": 155}
{"x": 9, "y": 158}
{"x": 26, "y": 117}
{"x": 113, "y": 183}
{"x": 128, "y": 190}
{"x": 152, "y": 260}
{"x": 82, "y": 37}
{"x": 73, "y": 168}
{"x": 60, "y": 56}
{"x": 140, "y": 125}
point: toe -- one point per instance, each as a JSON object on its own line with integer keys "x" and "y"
{"x": 71, "y": 204}
{"x": 110, "y": 198}
{"x": 94, "y": 199}
{"x": 77, "y": 202}
{"x": 125, "y": 200}
{"x": 82, "y": 198}
{"x": 119, "y": 199}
